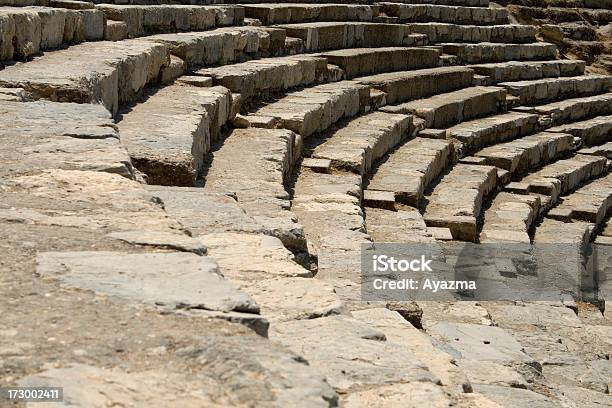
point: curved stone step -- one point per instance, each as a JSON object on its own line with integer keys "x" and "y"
{"x": 24, "y": 32}
{"x": 313, "y": 109}
{"x": 356, "y": 146}
{"x": 50, "y": 135}
{"x": 169, "y": 134}
{"x": 529, "y": 70}
{"x": 254, "y": 165}
{"x": 409, "y": 85}
{"x": 509, "y": 218}
{"x": 268, "y": 75}
{"x": 405, "y": 226}
{"x": 456, "y": 201}
{"x": 529, "y": 152}
{"x": 549, "y": 89}
{"x": 592, "y": 132}
{"x": 560, "y": 178}
{"x": 483, "y": 132}
{"x": 409, "y": 170}
{"x": 222, "y": 45}
{"x": 329, "y": 208}
{"x": 466, "y": 3}
{"x": 154, "y": 19}
{"x": 456, "y": 33}
{"x": 491, "y": 52}
{"x": 572, "y": 110}
{"x": 447, "y": 109}
{"x": 559, "y": 15}
{"x": 426, "y": 13}
{"x": 604, "y": 150}
{"x": 335, "y": 35}
{"x": 357, "y": 62}
{"x": 278, "y": 13}
{"x": 590, "y": 203}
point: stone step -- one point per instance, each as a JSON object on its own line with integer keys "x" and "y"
{"x": 491, "y": 52}
{"x": 590, "y": 203}
{"x": 169, "y": 134}
{"x": 466, "y": 3}
{"x": 529, "y": 70}
{"x": 529, "y": 152}
{"x": 356, "y": 146}
{"x": 278, "y": 13}
{"x": 483, "y": 132}
{"x": 334, "y": 35}
{"x": 155, "y": 19}
{"x": 410, "y": 85}
{"x": 50, "y": 135}
{"x": 427, "y": 13}
{"x": 557, "y": 15}
{"x": 329, "y": 208}
{"x": 456, "y": 33}
{"x": 572, "y": 110}
{"x": 403, "y": 227}
{"x": 552, "y": 231}
{"x": 570, "y": 31}
{"x": 24, "y": 32}
{"x": 550, "y": 89}
{"x": 509, "y": 218}
{"x": 313, "y": 109}
{"x": 592, "y": 132}
{"x": 223, "y": 45}
{"x": 456, "y": 201}
{"x": 560, "y": 177}
{"x": 604, "y": 150}
{"x": 357, "y": 62}
{"x": 604, "y": 4}
{"x": 364, "y": 360}
{"x": 408, "y": 171}
{"x": 268, "y": 75}
{"x": 254, "y": 165}
{"x": 116, "y": 73}
{"x": 447, "y": 109}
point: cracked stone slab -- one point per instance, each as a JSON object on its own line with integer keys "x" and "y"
{"x": 284, "y": 299}
{"x": 161, "y": 239}
{"x": 363, "y": 357}
{"x": 175, "y": 280}
{"x": 477, "y": 342}
{"x": 411, "y": 395}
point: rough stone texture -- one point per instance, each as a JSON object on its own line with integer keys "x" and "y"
{"x": 169, "y": 134}
{"x": 357, "y": 62}
{"x": 491, "y": 52}
{"x": 25, "y": 32}
{"x": 456, "y": 201}
{"x": 461, "y": 33}
{"x": 302, "y": 13}
{"x": 258, "y": 77}
{"x": 254, "y": 164}
{"x": 356, "y": 146}
{"x": 491, "y": 130}
{"x": 174, "y": 280}
{"x": 529, "y": 70}
{"x": 334, "y": 36}
{"x": 509, "y": 218}
{"x": 110, "y": 73}
{"x": 66, "y": 136}
{"x": 592, "y": 132}
{"x": 143, "y": 20}
{"x": 526, "y": 153}
{"x": 363, "y": 358}
{"x": 531, "y": 92}
{"x": 410, "y": 85}
{"x": 423, "y": 13}
{"x": 313, "y": 109}
{"x": 222, "y": 45}
{"x": 409, "y": 170}
{"x": 447, "y": 109}
{"x": 571, "y": 110}
{"x": 590, "y": 203}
